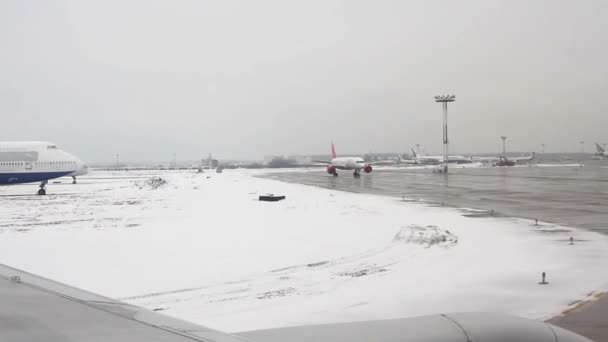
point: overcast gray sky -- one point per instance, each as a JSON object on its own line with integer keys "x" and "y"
{"x": 243, "y": 79}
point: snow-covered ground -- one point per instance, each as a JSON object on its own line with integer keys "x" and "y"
{"x": 203, "y": 248}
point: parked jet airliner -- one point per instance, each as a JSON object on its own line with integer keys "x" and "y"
{"x": 36, "y": 161}
{"x": 435, "y": 160}
{"x": 601, "y": 152}
{"x": 504, "y": 161}
{"x": 345, "y": 163}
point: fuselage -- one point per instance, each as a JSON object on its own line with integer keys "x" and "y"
{"x": 35, "y": 161}
{"x": 439, "y": 160}
{"x": 348, "y": 163}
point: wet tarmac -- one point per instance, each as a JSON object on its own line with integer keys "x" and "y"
{"x": 564, "y": 194}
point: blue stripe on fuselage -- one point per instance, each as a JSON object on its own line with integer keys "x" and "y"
{"x": 30, "y": 177}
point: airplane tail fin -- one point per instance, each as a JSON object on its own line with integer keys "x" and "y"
{"x": 599, "y": 148}
{"x": 413, "y": 152}
{"x": 533, "y": 155}
{"x": 333, "y": 150}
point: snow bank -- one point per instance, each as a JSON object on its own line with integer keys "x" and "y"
{"x": 426, "y": 236}
{"x": 206, "y": 250}
{"x": 153, "y": 183}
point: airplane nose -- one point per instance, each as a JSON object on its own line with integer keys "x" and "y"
{"x": 84, "y": 168}
{"x": 81, "y": 167}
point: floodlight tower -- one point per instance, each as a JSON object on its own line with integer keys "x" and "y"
{"x": 444, "y": 99}
{"x": 582, "y": 146}
{"x": 504, "y": 144}
{"x": 543, "y": 146}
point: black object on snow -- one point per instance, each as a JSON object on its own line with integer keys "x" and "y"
{"x": 271, "y": 198}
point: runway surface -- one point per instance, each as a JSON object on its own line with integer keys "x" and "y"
{"x": 565, "y": 194}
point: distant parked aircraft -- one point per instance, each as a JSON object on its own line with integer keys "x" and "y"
{"x": 435, "y": 160}
{"x": 601, "y": 152}
{"x": 504, "y": 161}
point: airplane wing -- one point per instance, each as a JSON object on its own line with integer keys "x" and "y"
{"x": 33, "y": 308}
{"x": 322, "y": 161}
{"x": 457, "y": 327}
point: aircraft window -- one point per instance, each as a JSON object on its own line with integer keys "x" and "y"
{"x": 51, "y": 147}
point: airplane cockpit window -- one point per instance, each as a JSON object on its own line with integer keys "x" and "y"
{"x": 51, "y": 147}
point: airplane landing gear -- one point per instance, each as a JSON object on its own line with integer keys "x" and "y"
{"x": 42, "y": 190}
{"x": 356, "y": 174}
{"x": 73, "y": 179}
{"x": 335, "y": 174}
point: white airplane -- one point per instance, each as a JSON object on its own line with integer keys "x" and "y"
{"x": 504, "y": 161}
{"x": 345, "y": 163}
{"x": 601, "y": 152}
{"x": 434, "y": 160}
{"x": 36, "y": 161}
